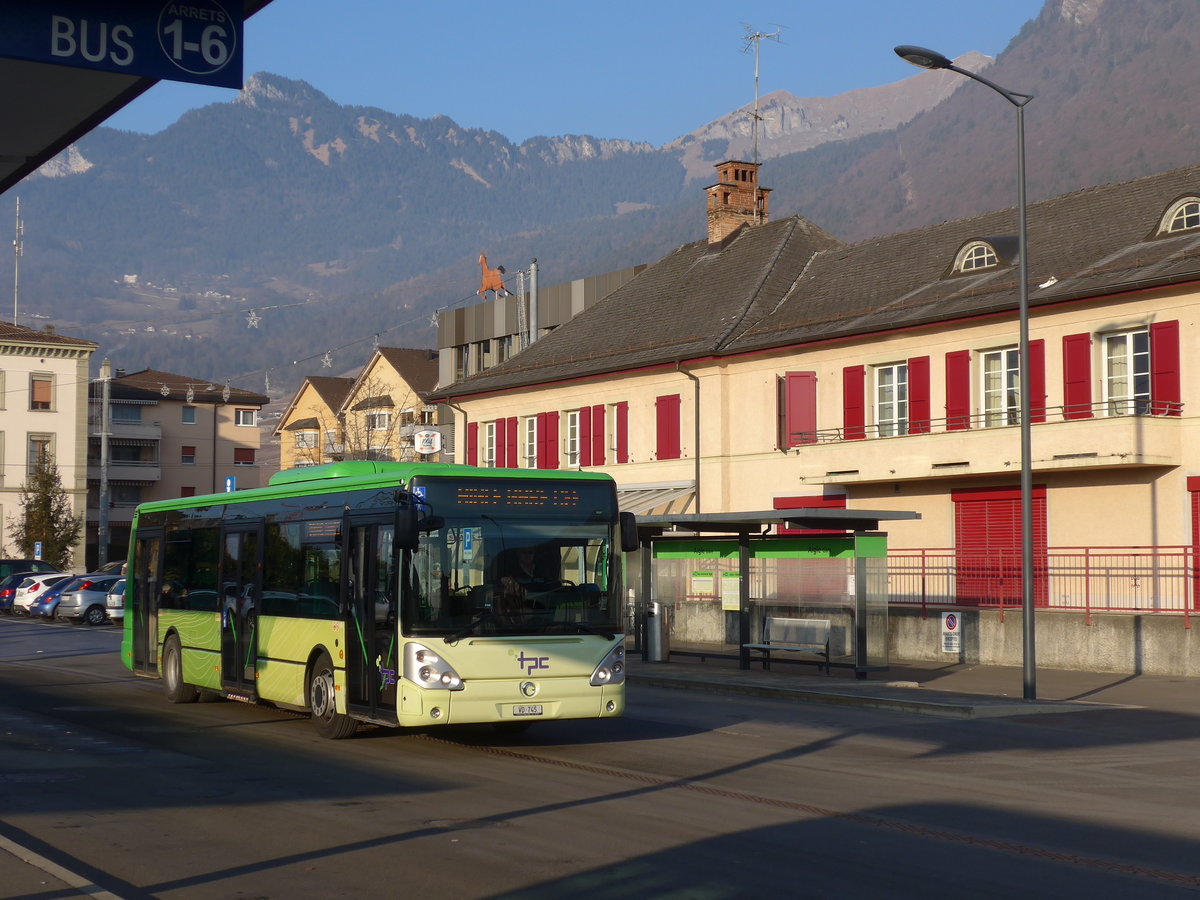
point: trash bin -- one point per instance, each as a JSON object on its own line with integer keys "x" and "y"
{"x": 658, "y": 632}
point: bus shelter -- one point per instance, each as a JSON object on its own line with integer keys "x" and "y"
{"x": 707, "y": 582}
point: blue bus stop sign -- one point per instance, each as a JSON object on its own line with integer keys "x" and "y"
{"x": 199, "y": 41}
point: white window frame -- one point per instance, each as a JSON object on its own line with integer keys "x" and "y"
{"x": 529, "y": 443}
{"x": 307, "y": 440}
{"x": 891, "y": 412}
{"x": 378, "y": 420}
{"x": 489, "y": 445}
{"x": 185, "y": 418}
{"x": 41, "y": 437}
{"x": 975, "y": 257}
{"x": 1183, "y": 215}
{"x": 1127, "y": 368}
{"x": 1000, "y": 387}
{"x": 42, "y": 378}
{"x": 245, "y": 418}
{"x": 571, "y": 439}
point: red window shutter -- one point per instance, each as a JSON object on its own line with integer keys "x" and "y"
{"x": 1164, "y": 369}
{"x": 1037, "y": 381}
{"x": 1077, "y": 376}
{"x": 598, "y": 435}
{"x": 551, "y": 461}
{"x": 816, "y": 502}
{"x": 797, "y": 409}
{"x": 958, "y": 390}
{"x": 501, "y": 443}
{"x": 854, "y": 383}
{"x": 919, "y": 412}
{"x": 585, "y": 437}
{"x": 543, "y": 432}
{"x": 243, "y": 456}
{"x": 510, "y": 428}
{"x": 666, "y": 410}
{"x": 472, "y": 444}
{"x": 622, "y": 426}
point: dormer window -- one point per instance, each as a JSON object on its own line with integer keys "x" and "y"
{"x": 975, "y": 256}
{"x": 1184, "y": 215}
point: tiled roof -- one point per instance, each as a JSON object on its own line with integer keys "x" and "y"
{"x": 418, "y": 367}
{"x": 788, "y": 283}
{"x": 678, "y": 308}
{"x": 148, "y": 385}
{"x": 331, "y": 389}
{"x": 23, "y": 335}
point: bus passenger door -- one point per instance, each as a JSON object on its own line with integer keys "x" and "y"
{"x": 239, "y": 590}
{"x": 371, "y": 590}
{"x": 147, "y": 582}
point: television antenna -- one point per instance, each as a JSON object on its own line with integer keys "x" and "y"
{"x": 755, "y": 39}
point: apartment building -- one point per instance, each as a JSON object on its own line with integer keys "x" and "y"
{"x": 43, "y": 411}
{"x": 169, "y": 436}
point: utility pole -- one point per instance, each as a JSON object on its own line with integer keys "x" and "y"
{"x": 756, "y": 38}
{"x": 534, "y": 324}
{"x": 18, "y": 252}
{"x": 102, "y": 522}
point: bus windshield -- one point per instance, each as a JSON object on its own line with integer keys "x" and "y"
{"x": 504, "y": 557}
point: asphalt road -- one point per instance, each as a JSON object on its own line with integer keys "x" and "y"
{"x": 108, "y": 791}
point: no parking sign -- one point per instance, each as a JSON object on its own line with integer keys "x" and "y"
{"x": 951, "y": 635}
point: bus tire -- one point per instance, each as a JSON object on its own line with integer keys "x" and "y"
{"x": 322, "y": 702}
{"x": 174, "y": 687}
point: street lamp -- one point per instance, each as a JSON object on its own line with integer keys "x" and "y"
{"x": 929, "y": 59}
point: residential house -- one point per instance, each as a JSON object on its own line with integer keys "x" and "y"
{"x": 380, "y": 414}
{"x": 43, "y": 411}
{"x": 169, "y": 436}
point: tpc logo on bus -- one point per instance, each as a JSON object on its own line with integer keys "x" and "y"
{"x": 530, "y": 664}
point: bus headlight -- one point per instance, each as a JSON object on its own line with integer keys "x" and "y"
{"x": 611, "y": 669}
{"x": 424, "y": 667}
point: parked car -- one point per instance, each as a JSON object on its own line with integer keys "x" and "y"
{"x": 10, "y": 566}
{"x": 116, "y": 566}
{"x": 31, "y": 588}
{"x": 8, "y": 589}
{"x": 46, "y": 604}
{"x": 115, "y": 604}
{"x": 85, "y": 599}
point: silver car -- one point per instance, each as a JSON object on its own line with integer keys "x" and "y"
{"x": 115, "y": 604}
{"x": 85, "y": 599}
{"x": 31, "y": 590}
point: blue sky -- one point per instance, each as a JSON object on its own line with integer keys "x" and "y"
{"x": 647, "y": 71}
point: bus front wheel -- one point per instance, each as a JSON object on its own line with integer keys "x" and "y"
{"x": 177, "y": 690}
{"x": 322, "y": 702}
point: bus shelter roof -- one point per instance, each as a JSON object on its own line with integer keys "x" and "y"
{"x": 745, "y": 522}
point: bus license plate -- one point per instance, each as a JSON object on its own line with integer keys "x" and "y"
{"x": 527, "y": 709}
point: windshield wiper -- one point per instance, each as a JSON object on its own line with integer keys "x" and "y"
{"x": 582, "y": 628}
{"x": 468, "y": 629}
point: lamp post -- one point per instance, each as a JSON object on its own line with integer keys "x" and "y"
{"x": 929, "y": 59}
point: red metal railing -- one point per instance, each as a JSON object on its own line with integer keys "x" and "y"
{"x": 1092, "y": 579}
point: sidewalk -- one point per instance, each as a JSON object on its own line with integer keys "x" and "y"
{"x": 952, "y": 690}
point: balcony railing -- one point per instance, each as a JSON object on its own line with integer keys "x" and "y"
{"x": 1004, "y": 418}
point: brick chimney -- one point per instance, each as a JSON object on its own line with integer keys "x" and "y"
{"x": 736, "y": 199}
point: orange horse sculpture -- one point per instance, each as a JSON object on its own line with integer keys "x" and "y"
{"x": 493, "y": 279}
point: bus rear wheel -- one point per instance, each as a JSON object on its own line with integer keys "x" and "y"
{"x": 176, "y": 689}
{"x": 322, "y": 702}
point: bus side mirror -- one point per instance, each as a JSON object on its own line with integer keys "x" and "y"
{"x": 407, "y": 532}
{"x": 629, "y": 535}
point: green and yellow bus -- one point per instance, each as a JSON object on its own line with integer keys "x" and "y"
{"x": 403, "y": 594}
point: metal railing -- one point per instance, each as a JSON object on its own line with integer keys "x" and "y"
{"x": 999, "y": 418}
{"x": 1091, "y": 579}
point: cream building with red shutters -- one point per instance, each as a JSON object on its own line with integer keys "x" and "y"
{"x": 774, "y": 366}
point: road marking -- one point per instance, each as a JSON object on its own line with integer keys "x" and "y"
{"x": 81, "y": 884}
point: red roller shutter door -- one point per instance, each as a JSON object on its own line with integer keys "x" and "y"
{"x": 987, "y": 546}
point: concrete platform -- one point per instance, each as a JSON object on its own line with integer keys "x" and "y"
{"x": 948, "y": 690}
